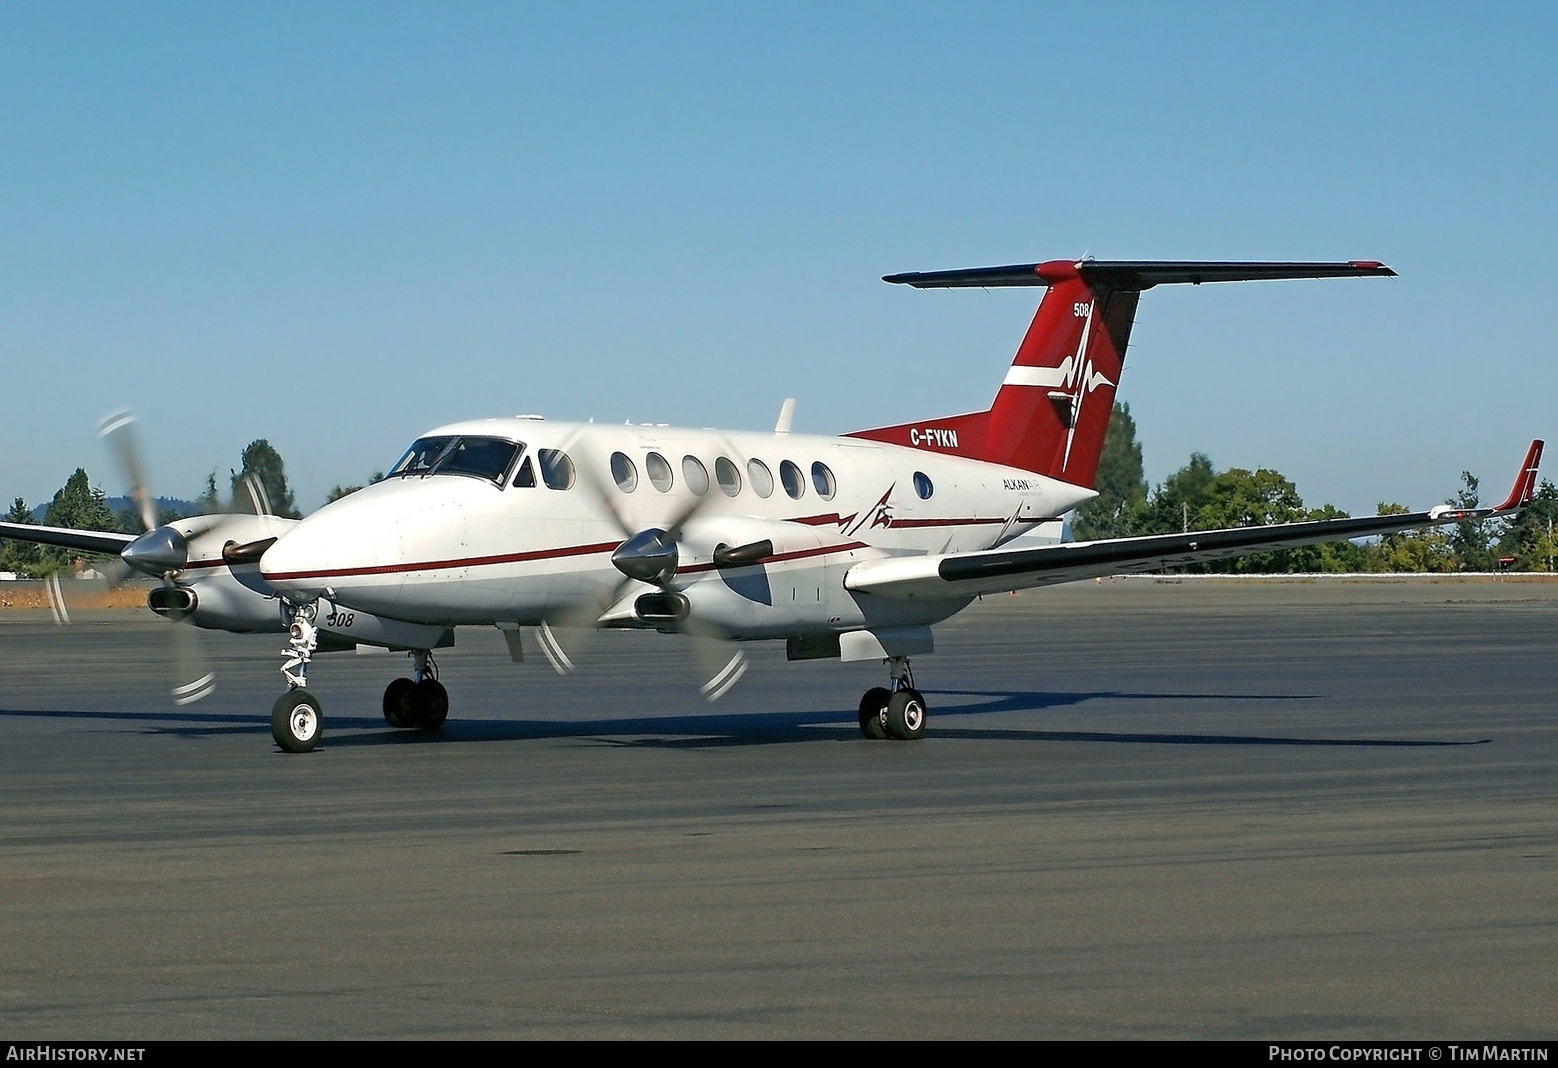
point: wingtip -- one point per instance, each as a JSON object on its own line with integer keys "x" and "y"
{"x": 1525, "y": 482}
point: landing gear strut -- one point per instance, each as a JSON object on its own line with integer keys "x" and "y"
{"x": 297, "y": 721}
{"x": 897, "y": 713}
{"x": 420, "y": 701}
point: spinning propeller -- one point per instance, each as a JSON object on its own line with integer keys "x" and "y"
{"x": 163, "y": 552}
{"x": 650, "y": 556}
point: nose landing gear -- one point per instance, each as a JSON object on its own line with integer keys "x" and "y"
{"x": 296, "y": 720}
{"x": 897, "y": 713}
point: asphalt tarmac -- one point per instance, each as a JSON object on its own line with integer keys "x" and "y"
{"x": 1143, "y": 809}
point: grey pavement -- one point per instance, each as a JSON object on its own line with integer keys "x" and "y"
{"x": 1143, "y": 809}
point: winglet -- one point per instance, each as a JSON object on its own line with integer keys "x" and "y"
{"x": 1525, "y": 481}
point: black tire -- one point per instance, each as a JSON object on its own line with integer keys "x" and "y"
{"x": 873, "y": 713}
{"x": 400, "y": 703}
{"x": 906, "y": 715}
{"x": 432, "y": 704}
{"x": 297, "y": 721}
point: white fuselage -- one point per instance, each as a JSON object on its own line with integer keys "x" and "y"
{"x": 453, "y": 549}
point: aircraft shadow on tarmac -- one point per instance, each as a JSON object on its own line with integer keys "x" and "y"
{"x": 725, "y": 729}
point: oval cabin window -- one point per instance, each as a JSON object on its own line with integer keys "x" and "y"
{"x": 761, "y": 478}
{"x": 623, "y": 472}
{"x": 794, "y": 481}
{"x": 695, "y": 475}
{"x": 822, "y": 478}
{"x": 659, "y": 470}
{"x": 728, "y": 476}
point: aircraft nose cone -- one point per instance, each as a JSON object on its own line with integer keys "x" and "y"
{"x": 157, "y": 551}
{"x": 347, "y": 551}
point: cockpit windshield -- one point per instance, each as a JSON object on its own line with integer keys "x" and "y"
{"x": 479, "y": 457}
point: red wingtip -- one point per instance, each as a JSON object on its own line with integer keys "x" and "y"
{"x": 1525, "y": 482}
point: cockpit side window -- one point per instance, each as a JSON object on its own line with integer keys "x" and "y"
{"x": 526, "y": 479}
{"x": 556, "y": 469}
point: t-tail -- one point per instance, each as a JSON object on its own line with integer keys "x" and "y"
{"x": 1052, "y": 411}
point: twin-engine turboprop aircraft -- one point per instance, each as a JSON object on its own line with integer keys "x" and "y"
{"x": 849, "y": 547}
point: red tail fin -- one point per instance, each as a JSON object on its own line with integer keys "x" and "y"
{"x": 1052, "y": 411}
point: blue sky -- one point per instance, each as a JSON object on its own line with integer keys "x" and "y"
{"x": 334, "y": 226}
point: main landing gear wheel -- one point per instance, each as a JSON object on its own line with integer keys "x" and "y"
{"x": 423, "y": 705}
{"x": 873, "y": 712}
{"x": 297, "y": 721}
{"x": 399, "y": 703}
{"x": 432, "y": 704}
{"x": 906, "y": 715}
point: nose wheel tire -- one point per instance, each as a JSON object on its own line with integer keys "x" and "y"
{"x": 906, "y": 715}
{"x": 297, "y": 721}
{"x": 873, "y": 713}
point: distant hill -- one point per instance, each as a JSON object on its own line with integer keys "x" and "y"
{"x": 121, "y": 505}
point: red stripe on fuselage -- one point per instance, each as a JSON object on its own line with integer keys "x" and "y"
{"x": 540, "y": 554}
{"x": 445, "y": 565}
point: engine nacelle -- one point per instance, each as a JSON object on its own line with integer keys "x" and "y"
{"x": 217, "y": 601}
{"x": 794, "y": 587}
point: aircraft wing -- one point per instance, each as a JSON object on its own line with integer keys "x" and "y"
{"x": 1000, "y": 570}
{"x": 88, "y": 541}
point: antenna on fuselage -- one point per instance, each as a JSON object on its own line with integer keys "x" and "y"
{"x": 786, "y": 416}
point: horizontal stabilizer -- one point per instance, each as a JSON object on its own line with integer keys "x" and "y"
{"x": 1134, "y": 275}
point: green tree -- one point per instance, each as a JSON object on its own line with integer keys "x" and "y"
{"x": 80, "y": 505}
{"x": 1121, "y": 485}
{"x": 23, "y": 557}
{"x": 1176, "y": 503}
{"x": 337, "y": 492}
{"x": 1199, "y": 497}
{"x": 1242, "y": 498}
{"x": 210, "y": 501}
{"x": 1332, "y": 556}
{"x": 1472, "y": 542}
{"x": 1427, "y": 549}
{"x": 263, "y": 462}
{"x": 1530, "y": 537}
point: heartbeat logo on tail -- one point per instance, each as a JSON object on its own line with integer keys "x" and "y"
{"x": 1071, "y": 382}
